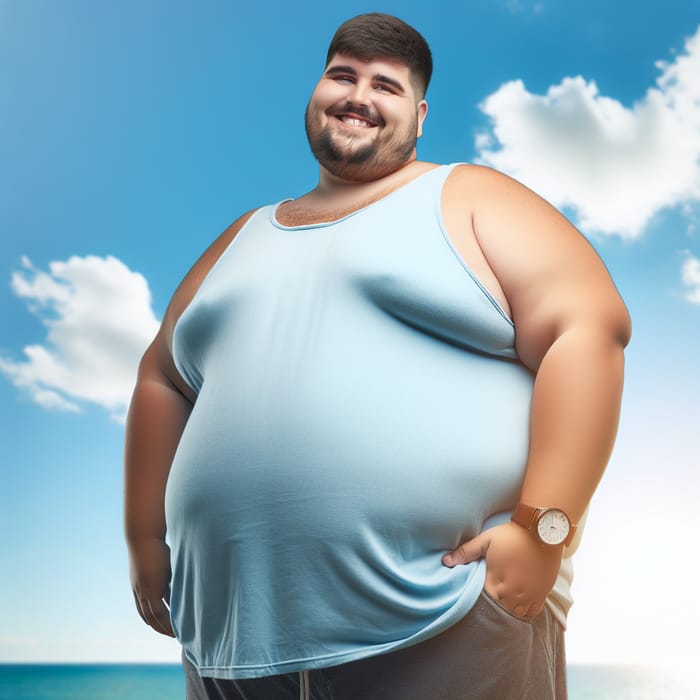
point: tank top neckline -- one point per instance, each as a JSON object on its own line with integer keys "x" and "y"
{"x": 325, "y": 224}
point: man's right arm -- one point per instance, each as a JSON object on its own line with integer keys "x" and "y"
{"x": 156, "y": 420}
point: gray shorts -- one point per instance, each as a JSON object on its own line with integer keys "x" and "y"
{"x": 488, "y": 655}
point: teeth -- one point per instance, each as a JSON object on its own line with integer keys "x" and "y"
{"x": 354, "y": 122}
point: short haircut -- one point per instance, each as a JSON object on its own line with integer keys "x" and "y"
{"x": 376, "y": 35}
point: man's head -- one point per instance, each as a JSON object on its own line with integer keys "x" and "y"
{"x": 377, "y": 35}
{"x": 367, "y": 110}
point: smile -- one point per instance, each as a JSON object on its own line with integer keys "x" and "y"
{"x": 355, "y": 121}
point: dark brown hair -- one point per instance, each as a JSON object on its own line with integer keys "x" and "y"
{"x": 376, "y": 35}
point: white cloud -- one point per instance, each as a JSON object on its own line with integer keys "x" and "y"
{"x": 615, "y": 166}
{"x": 99, "y": 321}
{"x": 690, "y": 274}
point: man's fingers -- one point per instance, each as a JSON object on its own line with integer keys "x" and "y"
{"x": 138, "y": 607}
{"x": 159, "y": 617}
{"x": 525, "y": 610}
{"x": 535, "y": 609}
{"x": 512, "y": 601}
{"x": 468, "y": 551}
{"x": 155, "y": 614}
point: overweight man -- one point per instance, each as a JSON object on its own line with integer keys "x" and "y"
{"x": 363, "y": 441}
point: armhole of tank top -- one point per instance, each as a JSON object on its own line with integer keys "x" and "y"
{"x": 443, "y": 228}
{"x": 176, "y": 322}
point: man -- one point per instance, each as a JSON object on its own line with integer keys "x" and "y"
{"x": 380, "y": 411}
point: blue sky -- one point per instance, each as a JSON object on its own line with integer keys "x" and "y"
{"x": 134, "y": 132}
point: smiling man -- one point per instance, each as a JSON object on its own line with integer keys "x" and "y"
{"x": 364, "y": 140}
{"x": 373, "y": 418}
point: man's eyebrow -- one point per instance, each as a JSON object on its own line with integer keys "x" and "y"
{"x": 389, "y": 81}
{"x": 341, "y": 69}
{"x": 378, "y": 77}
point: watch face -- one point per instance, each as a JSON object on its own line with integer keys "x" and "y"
{"x": 553, "y": 526}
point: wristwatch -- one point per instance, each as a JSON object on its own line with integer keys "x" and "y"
{"x": 550, "y": 525}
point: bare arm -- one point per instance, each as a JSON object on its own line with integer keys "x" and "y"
{"x": 157, "y": 417}
{"x": 571, "y": 330}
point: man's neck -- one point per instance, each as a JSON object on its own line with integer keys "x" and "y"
{"x": 331, "y": 188}
{"x": 333, "y": 199}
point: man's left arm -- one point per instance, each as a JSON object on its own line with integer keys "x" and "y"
{"x": 571, "y": 328}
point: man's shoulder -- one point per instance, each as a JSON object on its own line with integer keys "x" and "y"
{"x": 485, "y": 185}
{"x": 478, "y": 173}
{"x": 475, "y": 182}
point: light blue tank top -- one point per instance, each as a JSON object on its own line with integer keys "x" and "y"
{"x": 360, "y": 411}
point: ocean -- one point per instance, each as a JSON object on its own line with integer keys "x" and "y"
{"x": 166, "y": 682}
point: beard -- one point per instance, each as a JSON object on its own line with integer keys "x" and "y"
{"x": 359, "y": 158}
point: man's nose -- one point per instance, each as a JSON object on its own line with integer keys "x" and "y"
{"x": 361, "y": 92}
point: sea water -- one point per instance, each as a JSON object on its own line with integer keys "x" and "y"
{"x": 91, "y": 682}
{"x": 166, "y": 682}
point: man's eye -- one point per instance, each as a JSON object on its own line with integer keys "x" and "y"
{"x": 344, "y": 79}
{"x": 382, "y": 88}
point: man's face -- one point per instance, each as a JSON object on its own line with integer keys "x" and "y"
{"x": 363, "y": 118}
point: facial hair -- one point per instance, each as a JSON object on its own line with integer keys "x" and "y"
{"x": 366, "y": 160}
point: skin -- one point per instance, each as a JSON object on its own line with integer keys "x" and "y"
{"x": 571, "y": 329}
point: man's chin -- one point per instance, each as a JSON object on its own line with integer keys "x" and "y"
{"x": 353, "y": 147}
{"x": 330, "y": 151}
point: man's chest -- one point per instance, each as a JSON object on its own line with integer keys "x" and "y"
{"x": 455, "y": 214}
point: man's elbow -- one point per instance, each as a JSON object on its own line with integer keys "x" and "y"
{"x": 603, "y": 325}
{"x": 604, "y": 317}
{"x": 619, "y": 323}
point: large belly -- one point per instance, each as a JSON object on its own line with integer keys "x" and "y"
{"x": 424, "y": 460}
{"x": 349, "y": 497}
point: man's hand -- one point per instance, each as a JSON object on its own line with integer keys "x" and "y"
{"x": 150, "y": 582}
{"x": 520, "y": 571}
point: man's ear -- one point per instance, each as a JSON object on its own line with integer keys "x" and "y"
{"x": 422, "y": 108}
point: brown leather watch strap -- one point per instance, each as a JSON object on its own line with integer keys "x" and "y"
{"x": 527, "y": 516}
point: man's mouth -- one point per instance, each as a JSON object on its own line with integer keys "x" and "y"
{"x": 355, "y": 121}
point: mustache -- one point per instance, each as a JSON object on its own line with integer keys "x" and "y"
{"x": 360, "y": 110}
